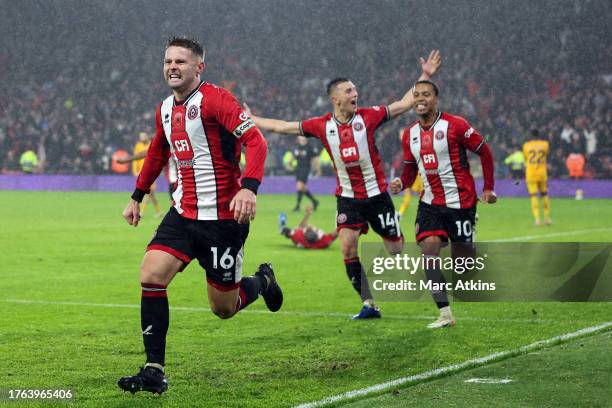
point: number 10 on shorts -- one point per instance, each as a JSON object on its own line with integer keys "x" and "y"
{"x": 465, "y": 227}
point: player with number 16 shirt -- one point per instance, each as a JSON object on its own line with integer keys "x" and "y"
{"x": 203, "y": 127}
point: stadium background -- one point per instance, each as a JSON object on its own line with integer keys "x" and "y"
{"x": 78, "y": 89}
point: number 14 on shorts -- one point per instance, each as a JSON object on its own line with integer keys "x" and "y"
{"x": 387, "y": 220}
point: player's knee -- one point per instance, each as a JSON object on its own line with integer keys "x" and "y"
{"x": 349, "y": 240}
{"x": 223, "y": 312}
{"x": 431, "y": 245}
{"x": 394, "y": 247}
{"x": 151, "y": 275}
{"x": 349, "y": 250}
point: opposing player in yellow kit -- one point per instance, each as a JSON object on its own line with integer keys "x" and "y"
{"x": 137, "y": 158}
{"x": 536, "y": 151}
{"x": 417, "y": 188}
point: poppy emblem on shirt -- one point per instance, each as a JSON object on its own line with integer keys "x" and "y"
{"x": 439, "y": 135}
{"x": 178, "y": 119}
{"x": 192, "y": 112}
{"x": 357, "y": 126}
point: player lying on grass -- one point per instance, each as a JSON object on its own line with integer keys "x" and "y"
{"x": 305, "y": 235}
{"x": 435, "y": 147}
{"x": 348, "y": 135}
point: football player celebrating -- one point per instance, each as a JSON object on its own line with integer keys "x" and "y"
{"x": 435, "y": 147}
{"x": 203, "y": 127}
{"x": 348, "y": 134}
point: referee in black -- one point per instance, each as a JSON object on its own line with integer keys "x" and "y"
{"x": 304, "y": 152}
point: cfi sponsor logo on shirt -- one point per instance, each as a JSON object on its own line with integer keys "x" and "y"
{"x": 429, "y": 158}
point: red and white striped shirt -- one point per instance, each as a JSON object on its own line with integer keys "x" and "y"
{"x": 439, "y": 153}
{"x": 204, "y": 134}
{"x": 351, "y": 146}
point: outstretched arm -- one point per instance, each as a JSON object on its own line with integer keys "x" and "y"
{"x": 274, "y": 125}
{"x": 429, "y": 67}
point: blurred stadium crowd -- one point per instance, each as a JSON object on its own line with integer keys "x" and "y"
{"x": 79, "y": 88}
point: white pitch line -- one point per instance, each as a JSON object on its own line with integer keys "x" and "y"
{"x": 550, "y": 235}
{"x": 265, "y": 312}
{"x": 477, "y": 362}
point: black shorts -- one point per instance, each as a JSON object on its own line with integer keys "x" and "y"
{"x": 377, "y": 211}
{"x": 456, "y": 224}
{"x": 301, "y": 174}
{"x": 216, "y": 244}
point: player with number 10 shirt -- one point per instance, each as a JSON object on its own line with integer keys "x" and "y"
{"x": 435, "y": 147}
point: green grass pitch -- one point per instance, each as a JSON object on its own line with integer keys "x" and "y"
{"x": 70, "y": 299}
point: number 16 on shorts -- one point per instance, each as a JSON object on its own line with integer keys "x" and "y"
{"x": 226, "y": 264}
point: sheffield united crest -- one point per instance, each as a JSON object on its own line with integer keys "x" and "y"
{"x": 192, "y": 112}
